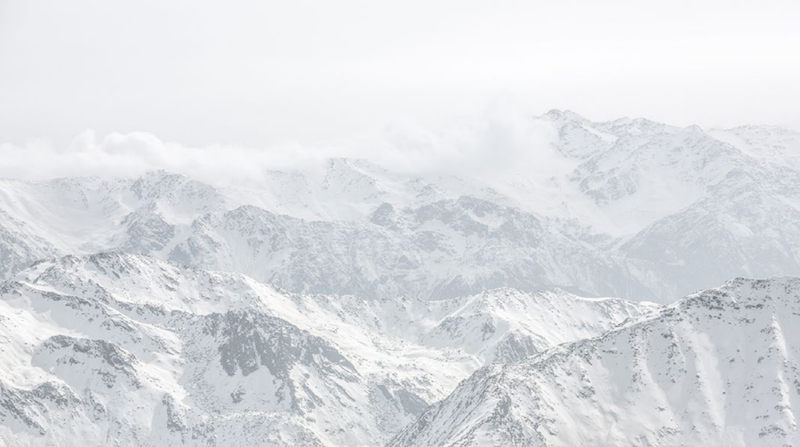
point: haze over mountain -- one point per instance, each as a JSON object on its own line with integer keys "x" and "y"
{"x": 628, "y": 208}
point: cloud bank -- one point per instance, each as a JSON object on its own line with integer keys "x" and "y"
{"x": 501, "y": 138}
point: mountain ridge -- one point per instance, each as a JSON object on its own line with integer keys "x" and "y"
{"x": 619, "y": 191}
{"x": 667, "y": 379}
{"x": 102, "y": 345}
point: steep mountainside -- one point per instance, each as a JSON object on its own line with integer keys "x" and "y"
{"x": 718, "y": 368}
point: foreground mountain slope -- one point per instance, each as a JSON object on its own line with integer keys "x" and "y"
{"x": 126, "y": 347}
{"x": 718, "y": 368}
{"x": 80, "y": 369}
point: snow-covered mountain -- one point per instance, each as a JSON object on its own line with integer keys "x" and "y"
{"x": 629, "y": 208}
{"x": 350, "y": 304}
{"x": 441, "y": 249}
{"x": 717, "y": 368}
{"x": 127, "y": 349}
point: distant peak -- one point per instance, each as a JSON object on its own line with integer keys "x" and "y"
{"x": 573, "y": 116}
{"x": 159, "y": 174}
{"x": 694, "y": 128}
{"x": 563, "y": 115}
{"x": 352, "y": 163}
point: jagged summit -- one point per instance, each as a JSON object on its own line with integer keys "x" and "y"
{"x": 563, "y": 115}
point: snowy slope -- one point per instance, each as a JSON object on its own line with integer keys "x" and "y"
{"x": 770, "y": 143}
{"x": 505, "y": 325}
{"x": 753, "y": 231}
{"x": 717, "y": 368}
{"x": 126, "y": 347}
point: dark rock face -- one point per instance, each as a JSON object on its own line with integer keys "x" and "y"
{"x": 111, "y": 362}
{"x": 23, "y": 407}
{"x": 250, "y": 340}
{"x": 146, "y": 231}
{"x": 514, "y": 347}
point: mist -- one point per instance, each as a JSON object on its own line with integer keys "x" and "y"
{"x": 261, "y": 74}
{"x": 504, "y": 136}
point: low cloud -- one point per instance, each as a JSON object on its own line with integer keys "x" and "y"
{"x": 503, "y": 137}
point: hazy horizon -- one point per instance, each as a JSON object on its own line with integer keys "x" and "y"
{"x": 261, "y": 74}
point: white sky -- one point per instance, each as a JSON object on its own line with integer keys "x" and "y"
{"x": 256, "y": 73}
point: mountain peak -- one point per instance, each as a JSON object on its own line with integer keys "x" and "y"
{"x": 562, "y": 116}
{"x": 689, "y": 374}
